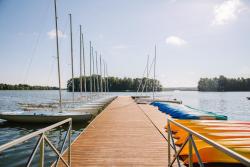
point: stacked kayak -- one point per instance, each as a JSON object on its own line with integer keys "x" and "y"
{"x": 180, "y": 111}
{"x": 234, "y": 135}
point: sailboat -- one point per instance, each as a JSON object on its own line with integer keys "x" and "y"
{"x": 49, "y": 116}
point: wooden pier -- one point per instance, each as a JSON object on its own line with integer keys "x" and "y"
{"x": 124, "y": 134}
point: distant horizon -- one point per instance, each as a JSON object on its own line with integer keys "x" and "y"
{"x": 194, "y": 39}
{"x": 170, "y": 87}
{"x": 195, "y": 87}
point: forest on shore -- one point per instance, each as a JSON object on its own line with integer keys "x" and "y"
{"x": 222, "y": 83}
{"x": 115, "y": 84}
{"x": 25, "y": 87}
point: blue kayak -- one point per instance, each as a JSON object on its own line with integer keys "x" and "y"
{"x": 180, "y": 111}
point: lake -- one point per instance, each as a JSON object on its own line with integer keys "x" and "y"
{"x": 232, "y": 104}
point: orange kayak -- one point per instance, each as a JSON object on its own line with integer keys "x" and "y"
{"x": 234, "y": 135}
{"x": 227, "y": 143}
{"x": 198, "y": 129}
{"x": 217, "y": 156}
{"x": 175, "y": 128}
{"x": 214, "y": 136}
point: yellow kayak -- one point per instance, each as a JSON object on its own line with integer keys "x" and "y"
{"x": 227, "y": 143}
{"x": 176, "y": 128}
{"x": 211, "y": 155}
{"x": 210, "y": 121}
{"x": 234, "y": 135}
{"x": 182, "y": 121}
{"x": 214, "y": 136}
{"x": 198, "y": 129}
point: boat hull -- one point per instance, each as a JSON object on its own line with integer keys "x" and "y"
{"x": 45, "y": 118}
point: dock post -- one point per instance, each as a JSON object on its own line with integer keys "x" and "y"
{"x": 169, "y": 145}
{"x": 41, "y": 161}
{"x": 69, "y": 138}
{"x": 190, "y": 155}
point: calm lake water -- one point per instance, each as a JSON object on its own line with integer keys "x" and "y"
{"x": 233, "y": 104}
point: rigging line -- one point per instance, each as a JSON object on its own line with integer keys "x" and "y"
{"x": 43, "y": 17}
{"x": 54, "y": 58}
{"x": 149, "y": 74}
{"x": 63, "y": 31}
{"x": 77, "y": 41}
{"x": 51, "y": 71}
{"x": 51, "y": 67}
{"x": 141, "y": 79}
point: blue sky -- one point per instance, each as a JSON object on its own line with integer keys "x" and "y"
{"x": 194, "y": 38}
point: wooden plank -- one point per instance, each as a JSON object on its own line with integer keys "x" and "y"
{"x": 122, "y": 135}
{"x": 158, "y": 118}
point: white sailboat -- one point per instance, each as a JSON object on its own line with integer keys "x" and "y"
{"x": 44, "y": 116}
{"x": 49, "y": 116}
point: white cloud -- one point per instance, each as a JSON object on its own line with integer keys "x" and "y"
{"x": 227, "y": 11}
{"x": 52, "y": 34}
{"x": 174, "y": 40}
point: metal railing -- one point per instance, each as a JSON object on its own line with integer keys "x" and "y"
{"x": 41, "y": 144}
{"x": 192, "y": 146}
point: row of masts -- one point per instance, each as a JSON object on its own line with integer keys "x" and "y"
{"x": 96, "y": 78}
{"x": 98, "y": 67}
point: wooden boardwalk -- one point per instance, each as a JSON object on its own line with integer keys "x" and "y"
{"x": 122, "y": 135}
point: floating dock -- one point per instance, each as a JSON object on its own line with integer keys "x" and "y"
{"x": 129, "y": 134}
{"x": 123, "y": 134}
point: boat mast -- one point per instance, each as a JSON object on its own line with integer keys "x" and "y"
{"x": 147, "y": 75}
{"x": 154, "y": 75}
{"x": 58, "y": 60}
{"x": 93, "y": 61}
{"x": 90, "y": 74}
{"x": 72, "y": 61}
{"x": 80, "y": 60}
{"x": 101, "y": 73}
{"x": 104, "y": 77}
{"x": 97, "y": 77}
{"x": 84, "y": 65}
{"x": 107, "y": 78}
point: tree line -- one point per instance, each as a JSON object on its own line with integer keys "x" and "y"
{"x": 25, "y": 87}
{"x": 115, "y": 84}
{"x": 224, "y": 84}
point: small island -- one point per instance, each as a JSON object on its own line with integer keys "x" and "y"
{"x": 116, "y": 84}
{"x": 222, "y": 84}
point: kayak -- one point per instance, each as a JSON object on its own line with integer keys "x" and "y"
{"x": 227, "y": 143}
{"x": 191, "y": 122}
{"x": 180, "y": 111}
{"x": 214, "y": 136}
{"x": 234, "y": 135}
{"x": 198, "y": 129}
{"x": 201, "y": 124}
{"x": 217, "y": 156}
